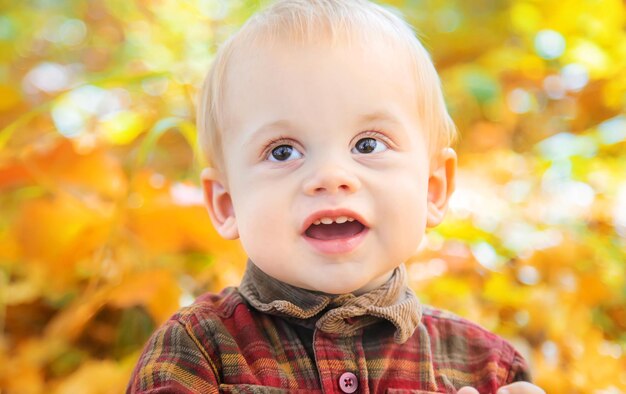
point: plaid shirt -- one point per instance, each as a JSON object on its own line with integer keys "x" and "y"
{"x": 269, "y": 337}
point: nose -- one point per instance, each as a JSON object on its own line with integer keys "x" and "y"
{"x": 331, "y": 178}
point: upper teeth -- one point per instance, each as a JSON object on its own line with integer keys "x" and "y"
{"x": 340, "y": 219}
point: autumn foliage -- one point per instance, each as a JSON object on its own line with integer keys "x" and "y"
{"x": 103, "y": 234}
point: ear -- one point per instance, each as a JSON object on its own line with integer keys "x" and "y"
{"x": 219, "y": 204}
{"x": 441, "y": 183}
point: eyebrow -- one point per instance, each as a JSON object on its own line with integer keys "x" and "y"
{"x": 376, "y": 116}
{"x": 281, "y": 123}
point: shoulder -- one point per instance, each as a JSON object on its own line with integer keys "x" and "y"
{"x": 210, "y": 305}
{"x": 192, "y": 321}
{"x": 449, "y": 326}
{"x": 465, "y": 346}
{"x": 179, "y": 354}
{"x": 213, "y": 318}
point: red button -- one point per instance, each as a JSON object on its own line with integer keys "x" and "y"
{"x": 348, "y": 382}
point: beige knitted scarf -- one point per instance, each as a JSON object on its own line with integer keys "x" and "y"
{"x": 340, "y": 314}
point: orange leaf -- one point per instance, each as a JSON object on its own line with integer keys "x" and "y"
{"x": 156, "y": 290}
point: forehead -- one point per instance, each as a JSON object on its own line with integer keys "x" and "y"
{"x": 268, "y": 81}
{"x": 283, "y": 54}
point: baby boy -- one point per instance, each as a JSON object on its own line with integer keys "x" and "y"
{"x": 328, "y": 144}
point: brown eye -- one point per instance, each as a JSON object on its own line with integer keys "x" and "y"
{"x": 284, "y": 153}
{"x": 369, "y": 145}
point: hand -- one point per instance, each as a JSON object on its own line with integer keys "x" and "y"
{"x": 514, "y": 388}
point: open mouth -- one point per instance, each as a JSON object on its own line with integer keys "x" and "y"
{"x": 335, "y": 232}
{"x": 337, "y": 229}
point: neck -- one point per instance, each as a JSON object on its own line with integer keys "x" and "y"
{"x": 392, "y": 301}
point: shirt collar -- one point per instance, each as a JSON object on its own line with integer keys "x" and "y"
{"x": 340, "y": 314}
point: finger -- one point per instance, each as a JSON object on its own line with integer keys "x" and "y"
{"x": 467, "y": 390}
{"x": 520, "y": 388}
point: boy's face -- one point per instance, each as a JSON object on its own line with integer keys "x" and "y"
{"x": 314, "y": 133}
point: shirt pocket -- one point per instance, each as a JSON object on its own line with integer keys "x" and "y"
{"x": 256, "y": 389}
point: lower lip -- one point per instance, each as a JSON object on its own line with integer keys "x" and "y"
{"x": 339, "y": 245}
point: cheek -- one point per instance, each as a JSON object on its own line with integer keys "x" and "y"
{"x": 403, "y": 190}
{"x": 259, "y": 211}
{"x": 255, "y": 213}
{"x": 404, "y": 212}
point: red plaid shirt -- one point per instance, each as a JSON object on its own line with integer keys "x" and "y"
{"x": 261, "y": 344}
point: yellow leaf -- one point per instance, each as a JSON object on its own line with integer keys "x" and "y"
{"x": 122, "y": 127}
{"x": 501, "y": 290}
{"x": 9, "y": 97}
{"x": 95, "y": 377}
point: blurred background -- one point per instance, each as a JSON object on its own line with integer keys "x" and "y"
{"x": 103, "y": 234}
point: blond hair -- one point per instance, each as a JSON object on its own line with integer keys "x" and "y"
{"x": 305, "y": 21}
